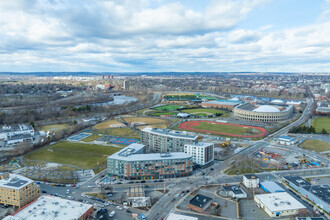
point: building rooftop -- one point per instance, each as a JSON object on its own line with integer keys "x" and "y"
{"x": 272, "y": 187}
{"x": 134, "y": 152}
{"x": 15, "y": 181}
{"x": 200, "y": 201}
{"x": 55, "y": 208}
{"x": 224, "y": 102}
{"x": 251, "y": 176}
{"x": 297, "y": 180}
{"x": 321, "y": 191}
{"x": 171, "y": 133}
{"x": 286, "y": 138}
{"x": 233, "y": 188}
{"x": 173, "y": 216}
{"x": 281, "y": 201}
{"x": 266, "y": 108}
{"x": 200, "y": 144}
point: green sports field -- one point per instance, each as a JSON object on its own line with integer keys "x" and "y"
{"x": 205, "y": 111}
{"x": 226, "y": 128}
{"x": 320, "y": 123}
{"x": 85, "y": 156}
{"x": 169, "y": 107}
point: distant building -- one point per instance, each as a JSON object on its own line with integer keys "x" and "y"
{"x": 132, "y": 163}
{"x": 251, "y": 181}
{"x": 166, "y": 140}
{"x": 126, "y": 84}
{"x": 279, "y": 204}
{"x": 50, "y": 207}
{"x": 272, "y": 187}
{"x": 183, "y": 115}
{"x": 234, "y": 191}
{"x": 201, "y": 152}
{"x": 224, "y": 104}
{"x": 17, "y": 190}
{"x": 200, "y": 203}
{"x": 16, "y": 133}
{"x": 286, "y": 140}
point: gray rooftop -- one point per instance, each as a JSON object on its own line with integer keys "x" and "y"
{"x": 169, "y": 132}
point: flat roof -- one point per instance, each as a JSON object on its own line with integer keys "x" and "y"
{"x": 171, "y": 133}
{"x": 200, "y": 144}
{"x": 51, "y": 207}
{"x": 297, "y": 180}
{"x": 286, "y": 138}
{"x": 272, "y": 187}
{"x": 173, "y": 216}
{"x": 223, "y": 102}
{"x": 280, "y": 201}
{"x": 236, "y": 189}
{"x": 251, "y": 176}
{"x": 200, "y": 200}
{"x": 15, "y": 181}
{"x": 321, "y": 191}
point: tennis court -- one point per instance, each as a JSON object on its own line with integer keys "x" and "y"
{"x": 79, "y": 137}
{"x": 124, "y": 141}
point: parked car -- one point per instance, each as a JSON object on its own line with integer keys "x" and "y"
{"x": 112, "y": 214}
{"x": 119, "y": 208}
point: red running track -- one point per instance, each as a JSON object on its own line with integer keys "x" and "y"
{"x": 190, "y": 124}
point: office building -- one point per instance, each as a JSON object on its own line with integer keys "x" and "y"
{"x": 202, "y": 153}
{"x": 132, "y": 163}
{"x": 279, "y": 204}
{"x": 126, "y": 84}
{"x": 55, "y": 208}
{"x": 251, "y": 181}
{"x": 17, "y": 190}
{"x": 159, "y": 140}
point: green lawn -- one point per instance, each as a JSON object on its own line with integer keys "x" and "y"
{"x": 320, "y": 123}
{"x": 204, "y": 110}
{"x": 169, "y": 107}
{"x": 162, "y": 113}
{"x": 225, "y": 128}
{"x": 316, "y": 145}
{"x": 85, "y": 156}
{"x": 93, "y": 137}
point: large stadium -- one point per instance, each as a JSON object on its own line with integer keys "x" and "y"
{"x": 263, "y": 113}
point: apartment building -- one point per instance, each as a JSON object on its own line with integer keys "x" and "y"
{"x": 202, "y": 153}
{"x": 17, "y": 190}
{"x": 159, "y": 140}
{"x": 132, "y": 163}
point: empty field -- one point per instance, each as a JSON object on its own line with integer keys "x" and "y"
{"x": 169, "y": 107}
{"x": 93, "y": 137}
{"x": 108, "y": 124}
{"x": 54, "y": 127}
{"x": 316, "y": 145}
{"x": 320, "y": 123}
{"x": 85, "y": 156}
{"x": 152, "y": 122}
{"x": 124, "y": 132}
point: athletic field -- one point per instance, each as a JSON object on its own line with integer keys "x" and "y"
{"x": 320, "y": 123}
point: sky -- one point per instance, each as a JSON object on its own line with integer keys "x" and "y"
{"x": 165, "y": 35}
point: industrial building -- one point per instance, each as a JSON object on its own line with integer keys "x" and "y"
{"x": 132, "y": 163}
{"x": 223, "y": 104}
{"x": 234, "y": 191}
{"x": 200, "y": 203}
{"x": 279, "y": 204}
{"x": 251, "y": 181}
{"x": 319, "y": 194}
{"x": 272, "y": 187}
{"x": 202, "y": 153}
{"x": 50, "y": 207}
{"x": 263, "y": 113}
{"x": 286, "y": 140}
{"x": 159, "y": 140}
{"x": 17, "y": 190}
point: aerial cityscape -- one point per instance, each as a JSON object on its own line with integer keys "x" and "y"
{"x": 165, "y": 110}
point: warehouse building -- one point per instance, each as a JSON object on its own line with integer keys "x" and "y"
{"x": 286, "y": 140}
{"x": 200, "y": 203}
{"x": 17, "y": 190}
{"x": 272, "y": 187}
{"x": 202, "y": 153}
{"x": 159, "y": 140}
{"x": 279, "y": 204}
{"x": 263, "y": 113}
{"x": 251, "y": 181}
{"x": 132, "y": 163}
{"x": 50, "y": 207}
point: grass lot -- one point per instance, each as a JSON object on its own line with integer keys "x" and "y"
{"x": 155, "y": 113}
{"x": 316, "y": 145}
{"x": 152, "y": 122}
{"x": 225, "y": 128}
{"x": 106, "y": 124}
{"x": 320, "y": 123}
{"x": 124, "y": 132}
{"x": 169, "y": 107}
{"x": 53, "y": 127}
{"x": 85, "y": 156}
{"x": 206, "y": 111}
{"x": 66, "y": 168}
{"x": 91, "y": 138}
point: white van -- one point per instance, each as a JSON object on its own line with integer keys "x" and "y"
{"x": 112, "y": 214}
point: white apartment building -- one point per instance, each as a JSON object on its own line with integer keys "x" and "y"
{"x": 202, "y": 153}
{"x": 251, "y": 181}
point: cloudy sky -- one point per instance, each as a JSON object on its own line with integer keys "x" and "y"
{"x": 165, "y": 35}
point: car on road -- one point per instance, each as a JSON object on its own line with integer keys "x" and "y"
{"x": 91, "y": 186}
{"x": 112, "y": 214}
{"x": 119, "y": 208}
{"x": 128, "y": 211}
{"x": 43, "y": 191}
{"x": 142, "y": 217}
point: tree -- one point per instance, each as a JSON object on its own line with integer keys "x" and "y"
{"x": 324, "y": 131}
